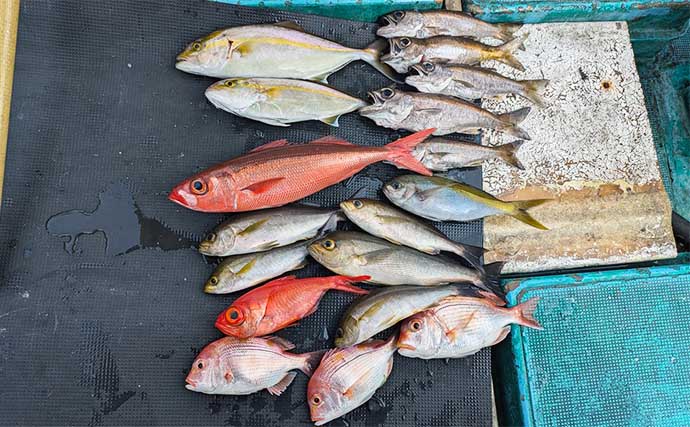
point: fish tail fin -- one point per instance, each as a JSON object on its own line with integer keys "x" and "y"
{"x": 508, "y": 153}
{"x": 520, "y": 213}
{"x": 491, "y": 277}
{"x": 471, "y": 254}
{"x": 372, "y": 55}
{"x": 506, "y": 32}
{"x": 505, "y": 52}
{"x": 511, "y": 120}
{"x": 343, "y": 283}
{"x": 311, "y": 361}
{"x": 400, "y": 152}
{"x": 524, "y": 313}
{"x": 534, "y": 90}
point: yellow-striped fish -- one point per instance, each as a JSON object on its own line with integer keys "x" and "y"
{"x": 273, "y": 50}
{"x": 279, "y": 102}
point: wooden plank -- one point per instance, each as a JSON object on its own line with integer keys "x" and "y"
{"x": 9, "y": 16}
{"x": 591, "y": 151}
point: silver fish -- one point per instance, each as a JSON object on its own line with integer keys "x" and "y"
{"x": 281, "y": 50}
{"x": 441, "y": 154}
{"x": 396, "y": 226}
{"x": 441, "y": 199}
{"x": 460, "y": 326}
{"x": 472, "y": 83}
{"x": 404, "y": 52}
{"x": 267, "y": 229}
{"x": 384, "y": 308}
{"x": 244, "y": 271}
{"x": 244, "y": 366}
{"x": 279, "y": 102}
{"x": 348, "y": 377}
{"x": 414, "y": 111}
{"x": 430, "y": 23}
{"x": 357, "y": 254}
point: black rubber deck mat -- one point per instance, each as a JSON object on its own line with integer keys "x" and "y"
{"x": 101, "y": 330}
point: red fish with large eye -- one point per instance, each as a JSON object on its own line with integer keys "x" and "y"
{"x": 278, "y": 173}
{"x": 280, "y": 303}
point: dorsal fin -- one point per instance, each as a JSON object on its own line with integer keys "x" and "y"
{"x": 330, "y": 140}
{"x": 272, "y": 144}
{"x": 281, "y": 280}
{"x": 291, "y": 25}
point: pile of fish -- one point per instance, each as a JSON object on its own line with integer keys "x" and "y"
{"x": 448, "y": 304}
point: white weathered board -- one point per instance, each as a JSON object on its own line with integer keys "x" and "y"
{"x": 591, "y": 151}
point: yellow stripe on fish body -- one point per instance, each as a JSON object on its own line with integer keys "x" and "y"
{"x": 474, "y": 194}
{"x": 245, "y": 46}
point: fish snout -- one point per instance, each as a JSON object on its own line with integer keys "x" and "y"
{"x": 180, "y": 197}
{"x": 191, "y": 384}
{"x": 404, "y": 346}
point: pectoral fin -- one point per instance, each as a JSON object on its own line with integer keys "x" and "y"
{"x": 245, "y": 269}
{"x": 252, "y": 227}
{"x": 263, "y": 186}
{"x": 464, "y": 83}
{"x": 374, "y": 257}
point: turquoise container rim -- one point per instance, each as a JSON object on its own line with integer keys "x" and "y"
{"x": 520, "y": 287}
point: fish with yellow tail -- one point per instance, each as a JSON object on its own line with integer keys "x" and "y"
{"x": 282, "y": 50}
{"x": 442, "y": 199}
{"x": 279, "y": 102}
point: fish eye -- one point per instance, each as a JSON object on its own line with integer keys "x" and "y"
{"x": 200, "y": 365}
{"x": 199, "y": 187}
{"x": 316, "y": 400}
{"x": 328, "y": 244}
{"x": 398, "y": 15}
{"x": 234, "y": 316}
{"x": 416, "y": 325}
{"x": 211, "y": 237}
{"x": 229, "y": 83}
{"x": 396, "y": 185}
{"x": 213, "y": 280}
{"x": 196, "y": 46}
{"x": 405, "y": 42}
{"x": 339, "y": 333}
{"x": 428, "y": 66}
{"x": 357, "y": 203}
{"x": 387, "y": 93}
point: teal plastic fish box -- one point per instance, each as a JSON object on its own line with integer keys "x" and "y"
{"x": 614, "y": 349}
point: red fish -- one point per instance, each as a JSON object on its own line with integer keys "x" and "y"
{"x": 278, "y": 173}
{"x": 280, "y": 303}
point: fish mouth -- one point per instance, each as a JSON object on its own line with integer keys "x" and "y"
{"x": 419, "y": 68}
{"x": 178, "y": 196}
{"x": 191, "y": 384}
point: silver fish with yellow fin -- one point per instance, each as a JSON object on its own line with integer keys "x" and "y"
{"x": 279, "y": 102}
{"x": 267, "y": 229}
{"x": 404, "y": 52}
{"x": 430, "y": 23}
{"x": 281, "y": 50}
{"x": 471, "y": 83}
{"x": 353, "y": 253}
{"x": 244, "y": 271}
{"x": 396, "y": 226}
{"x": 442, "y": 199}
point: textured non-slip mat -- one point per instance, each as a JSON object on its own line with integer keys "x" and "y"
{"x": 101, "y": 329}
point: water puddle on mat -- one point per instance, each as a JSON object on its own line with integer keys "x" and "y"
{"x": 124, "y": 227}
